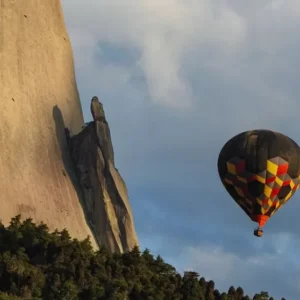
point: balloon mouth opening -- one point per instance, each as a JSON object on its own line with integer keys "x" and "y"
{"x": 260, "y": 219}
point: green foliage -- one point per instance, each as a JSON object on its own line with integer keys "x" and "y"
{"x": 36, "y": 264}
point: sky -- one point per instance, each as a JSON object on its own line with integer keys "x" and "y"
{"x": 177, "y": 79}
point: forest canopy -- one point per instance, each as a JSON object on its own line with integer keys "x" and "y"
{"x": 38, "y": 264}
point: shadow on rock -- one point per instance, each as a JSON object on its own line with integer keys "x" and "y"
{"x": 69, "y": 168}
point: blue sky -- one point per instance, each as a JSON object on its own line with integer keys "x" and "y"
{"x": 177, "y": 80}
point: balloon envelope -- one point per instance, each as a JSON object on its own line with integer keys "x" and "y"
{"x": 260, "y": 169}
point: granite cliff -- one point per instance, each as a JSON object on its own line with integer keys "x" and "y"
{"x": 38, "y": 100}
{"x": 104, "y": 191}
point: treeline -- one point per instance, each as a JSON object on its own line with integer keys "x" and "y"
{"x": 36, "y": 264}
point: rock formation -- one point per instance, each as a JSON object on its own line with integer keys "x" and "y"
{"x": 38, "y": 100}
{"x": 105, "y": 193}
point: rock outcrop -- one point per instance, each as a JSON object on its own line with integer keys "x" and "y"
{"x": 38, "y": 100}
{"x": 105, "y": 193}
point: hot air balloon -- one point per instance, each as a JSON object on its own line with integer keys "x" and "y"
{"x": 260, "y": 169}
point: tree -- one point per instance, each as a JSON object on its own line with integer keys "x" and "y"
{"x": 240, "y": 293}
{"x": 70, "y": 269}
{"x": 232, "y": 293}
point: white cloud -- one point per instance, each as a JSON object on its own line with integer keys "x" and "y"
{"x": 213, "y": 262}
{"x": 217, "y": 264}
{"x": 261, "y": 271}
{"x": 163, "y": 31}
{"x": 246, "y": 51}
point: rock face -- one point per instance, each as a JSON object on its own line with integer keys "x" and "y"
{"x": 105, "y": 193}
{"x": 38, "y": 100}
